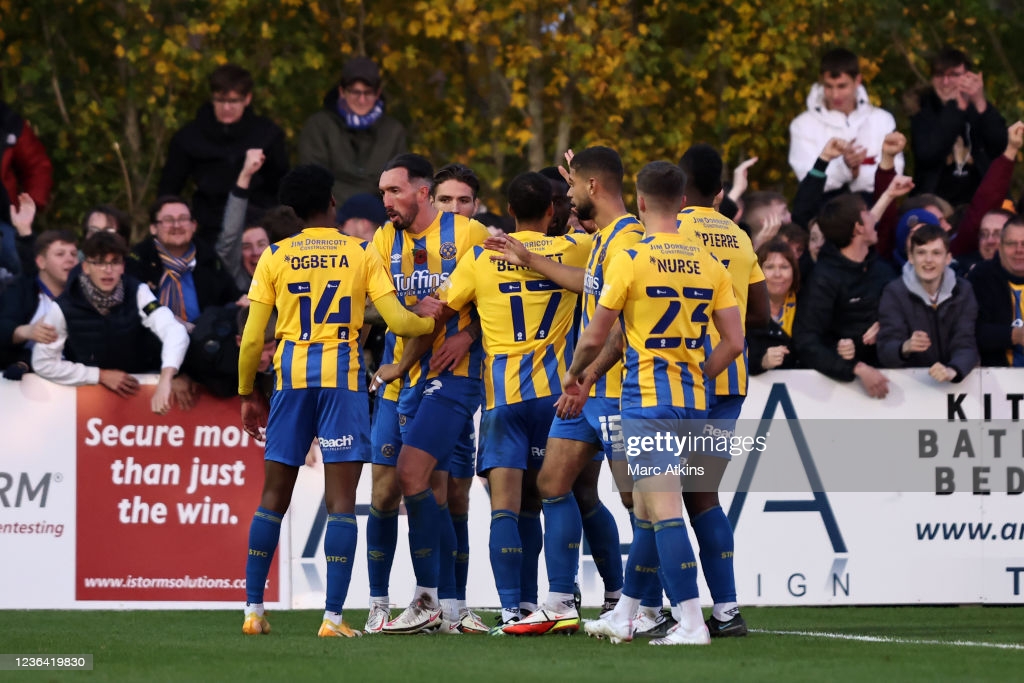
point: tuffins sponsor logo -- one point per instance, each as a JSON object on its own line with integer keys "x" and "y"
{"x": 418, "y": 283}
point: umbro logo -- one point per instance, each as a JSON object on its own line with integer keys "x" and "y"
{"x": 396, "y": 258}
{"x": 432, "y": 387}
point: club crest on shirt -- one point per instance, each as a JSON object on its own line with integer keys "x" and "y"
{"x": 448, "y": 251}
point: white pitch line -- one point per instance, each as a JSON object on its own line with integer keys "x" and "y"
{"x": 889, "y": 639}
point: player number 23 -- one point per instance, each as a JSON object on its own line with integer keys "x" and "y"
{"x": 656, "y": 338}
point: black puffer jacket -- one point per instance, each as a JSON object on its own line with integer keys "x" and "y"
{"x": 212, "y": 154}
{"x": 839, "y": 301}
{"x": 761, "y": 339}
{"x": 996, "y": 313}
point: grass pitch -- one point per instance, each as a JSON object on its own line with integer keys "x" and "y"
{"x": 908, "y": 643}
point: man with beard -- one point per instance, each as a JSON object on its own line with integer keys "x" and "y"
{"x": 421, "y": 246}
{"x": 580, "y": 431}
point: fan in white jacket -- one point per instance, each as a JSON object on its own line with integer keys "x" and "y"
{"x": 102, "y": 322}
{"x": 866, "y": 126}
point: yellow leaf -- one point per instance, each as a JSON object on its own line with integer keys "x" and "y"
{"x": 119, "y": 51}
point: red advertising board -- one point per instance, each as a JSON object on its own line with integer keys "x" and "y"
{"x": 164, "y": 501}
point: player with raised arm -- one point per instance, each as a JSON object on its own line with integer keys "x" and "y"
{"x": 526, "y": 320}
{"x": 731, "y": 246}
{"x": 318, "y": 280}
{"x": 666, "y": 290}
{"x": 595, "y": 180}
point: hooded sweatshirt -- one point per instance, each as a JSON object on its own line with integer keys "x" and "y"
{"x": 867, "y": 125}
{"x": 906, "y": 307}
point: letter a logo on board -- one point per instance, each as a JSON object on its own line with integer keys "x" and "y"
{"x": 779, "y": 397}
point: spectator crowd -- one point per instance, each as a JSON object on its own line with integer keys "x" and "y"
{"x": 866, "y": 268}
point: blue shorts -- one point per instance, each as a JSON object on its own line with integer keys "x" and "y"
{"x": 600, "y": 424}
{"x": 647, "y": 432}
{"x": 385, "y": 436}
{"x": 441, "y": 410}
{"x": 338, "y": 418}
{"x": 723, "y": 411}
{"x": 726, "y": 407}
{"x": 463, "y": 461}
{"x": 515, "y": 435}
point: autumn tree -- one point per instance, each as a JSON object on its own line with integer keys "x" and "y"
{"x": 502, "y": 86}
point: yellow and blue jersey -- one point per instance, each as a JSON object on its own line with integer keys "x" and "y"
{"x": 319, "y": 280}
{"x": 788, "y": 314}
{"x": 419, "y": 264}
{"x": 1015, "y": 354}
{"x": 620, "y": 234}
{"x": 666, "y": 288}
{"x": 731, "y": 246}
{"x": 526, "y": 320}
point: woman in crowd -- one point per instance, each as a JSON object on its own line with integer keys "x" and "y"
{"x": 772, "y": 347}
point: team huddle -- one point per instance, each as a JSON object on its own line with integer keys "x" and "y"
{"x": 570, "y": 344}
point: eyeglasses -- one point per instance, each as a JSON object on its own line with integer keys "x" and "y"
{"x": 952, "y": 73}
{"x": 170, "y": 221}
{"x": 233, "y": 101}
{"x": 106, "y": 265}
{"x": 360, "y": 93}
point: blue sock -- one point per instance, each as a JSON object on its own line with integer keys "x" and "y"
{"x": 603, "y": 536}
{"x": 424, "y": 537}
{"x": 678, "y": 563}
{"x": 264, "y": 532}
{"x": 532, "y": 536}
{"x": 652, "y": 595}
{"x": 506, "y": 556}
{"x": 381, "y": 542}
{"x": 714, "y": 536}
{"x": 461, "y": 524}
{"x": 446, "y": 561}
{"x": 340, "y": 549}
{"x": 642, "y": 563}
{"x": 563, "y": 531}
